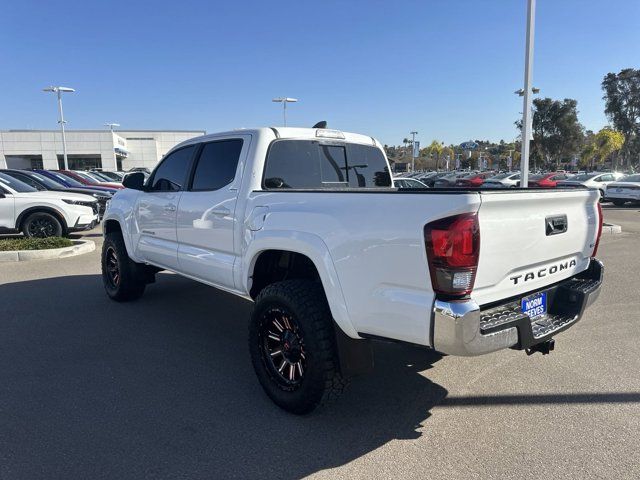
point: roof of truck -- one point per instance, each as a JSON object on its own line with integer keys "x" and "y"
{"x": 291, "y": 132}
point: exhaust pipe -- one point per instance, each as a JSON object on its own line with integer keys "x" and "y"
{"x": 544, "y": 348}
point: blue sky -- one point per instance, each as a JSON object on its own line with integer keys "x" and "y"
{"x": 445, "y": 68}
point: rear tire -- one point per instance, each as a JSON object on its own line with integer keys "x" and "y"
{"x": 618, "y": 203}
{"x": 42, "y": 225}
{"x": 292, "y": 346}
{"x": 123, "y": 279}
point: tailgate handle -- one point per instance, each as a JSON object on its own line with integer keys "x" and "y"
{"x": 556, "y": 224}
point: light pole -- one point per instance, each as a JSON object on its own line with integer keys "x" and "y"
{"x": 526, "y": 94}
{"x": 413, "y": 153}
{"x": 58, "y": 91}
{"x": 284, "y": 101}
{"x": 111, "y": 126}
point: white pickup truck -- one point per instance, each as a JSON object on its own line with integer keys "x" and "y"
{"x": 306, "y": 223}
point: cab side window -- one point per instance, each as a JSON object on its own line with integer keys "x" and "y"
{"x": 171, "y": 174}
{"x": 217, "y": 165}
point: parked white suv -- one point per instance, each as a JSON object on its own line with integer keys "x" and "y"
{"x": 306, "y": 223}
{"x": 43, "y": 213}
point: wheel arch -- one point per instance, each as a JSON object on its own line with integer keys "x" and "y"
{"x": 309, "y": 251}
{"x": 115, "y": 225}
{"x": 42, "y": 209}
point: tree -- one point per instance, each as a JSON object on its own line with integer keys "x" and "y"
{"x": 603, "y": 146}
{"x": 435, "y": 149}
{"x": 557, "y": 133}
{"x": 622, "y": 106}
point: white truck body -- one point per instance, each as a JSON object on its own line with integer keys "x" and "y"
{"x": 367, "y": 245}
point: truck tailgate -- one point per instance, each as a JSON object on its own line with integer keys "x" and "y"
{"x": 531, "y": 239}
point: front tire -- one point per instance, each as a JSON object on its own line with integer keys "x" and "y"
{"x": 123, "y": 279}
{"x": 292, "y": 346}
{"x": 42, "y": 225}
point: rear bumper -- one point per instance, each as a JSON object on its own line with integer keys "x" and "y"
{"x": 628, "y": 197}
{"x": 466, "y": 329}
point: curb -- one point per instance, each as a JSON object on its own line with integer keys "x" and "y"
{"x": 611, "y": 228}
{"x": 79, "y": 247}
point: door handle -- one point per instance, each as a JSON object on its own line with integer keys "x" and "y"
{"x": 221, "y": 211}
{"x": 170, "y": 207}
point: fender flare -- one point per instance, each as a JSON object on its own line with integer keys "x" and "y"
{"x": 317, "y": 251}
{"x": 125, "y": 233}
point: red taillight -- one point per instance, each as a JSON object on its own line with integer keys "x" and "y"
{"x": 595, "y": 248}
{"x": 453, "y": 247}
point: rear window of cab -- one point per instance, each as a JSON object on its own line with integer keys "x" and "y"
{"x": 313, "y": 164}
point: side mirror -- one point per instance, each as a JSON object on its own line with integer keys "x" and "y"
{"x": 134, "y": 181}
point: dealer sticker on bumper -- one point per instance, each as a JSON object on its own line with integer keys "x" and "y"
{"x": 535, "y": 306}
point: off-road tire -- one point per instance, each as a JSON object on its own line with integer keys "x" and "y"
{"x": 132, "y": 277}
{"x": 306, "y": 306}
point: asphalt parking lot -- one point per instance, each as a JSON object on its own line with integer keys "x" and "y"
{"x": 163, "y": 388}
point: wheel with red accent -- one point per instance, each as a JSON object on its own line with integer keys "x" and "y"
{"x": 292, "y": 346}
{"x": 123, "y": 279}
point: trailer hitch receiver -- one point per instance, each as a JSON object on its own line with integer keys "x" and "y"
{"x": 544, "y": 348}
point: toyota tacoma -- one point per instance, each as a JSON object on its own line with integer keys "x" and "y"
{"x": 307, "y": 224}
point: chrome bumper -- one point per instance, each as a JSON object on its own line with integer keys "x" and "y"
{"x": 463, "y": 328}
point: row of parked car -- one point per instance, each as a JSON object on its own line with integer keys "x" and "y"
{"x": 45, "y": 203}
{"x": 614, "y": 186}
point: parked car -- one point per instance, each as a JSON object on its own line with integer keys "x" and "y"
{"x": 88, "y": 180}
{"x": 139, "y": 169}
{"x": 41, "y": 182}
{"x": 432, "y": 178}
{"x": 109, "y": 176}
{"x": 98, "y": 176}
{"x": 627, "y": 189}
{"x": 66, "y": 181}
{"x": 449, "y": 180}
{"x": 503, "y": 180}
{"x": 547, "y": 180}
{"x": 594, "y": 180}
{"x": 43, "y": 213}
{"x": 473, "y": 180}
{"x": 284, "y": 217}
{"x": 401, "y": 182}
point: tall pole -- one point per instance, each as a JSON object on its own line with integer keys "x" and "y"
{"x": 284, "y": 112}
{"x": 64, "y": 139}
{"x": 413, "y": 154}
{"x": 526, "y": 109}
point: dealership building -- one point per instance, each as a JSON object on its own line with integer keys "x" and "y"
{"x": 86, "y": 149}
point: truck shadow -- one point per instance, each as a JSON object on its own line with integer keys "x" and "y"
{"x": 163, "y": 387}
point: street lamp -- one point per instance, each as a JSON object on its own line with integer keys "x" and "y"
{"x": 526, "y": 93}
{"x": 111, "y": 126}
{"x": 413, "y": 154}
{"x": 284, "y": 101}
{"x": 58, "y": 91}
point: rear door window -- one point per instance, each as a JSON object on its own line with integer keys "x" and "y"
{"x": 217, "y": 165}
{"x": 309, "y": 164}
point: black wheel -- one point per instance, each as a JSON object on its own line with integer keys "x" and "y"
{"x": 618, "y": 203}
{"x": 601, "y": 195}
{"x": 42, "y": 225}
{"x": 123, "y": 279}
{"x": 292, "y": 346}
